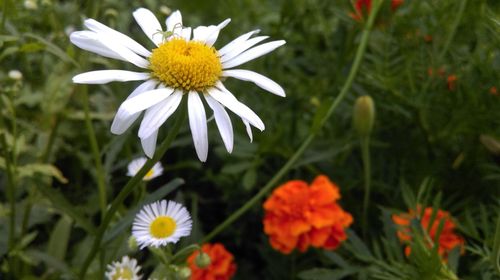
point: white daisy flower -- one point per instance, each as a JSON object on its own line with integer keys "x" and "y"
{"x": 160, "y": 223}
{"x": 126, "y": 269}
{"x": 135, "y": 165}
{"x": 183, "y": 63}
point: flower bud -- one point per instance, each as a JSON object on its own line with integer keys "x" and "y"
{"x": 202, "y": 260}
{"x": 364, "y": 115}
{"x": 15, "y": 75}
{"x": 184, "y": 272}
{"x": 132, "y": 243}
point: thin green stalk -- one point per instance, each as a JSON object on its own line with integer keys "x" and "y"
{"x": 495, "y": 256}
{"x": 131, "y": 184}
{"x": 4, "y": 15}
{"x": 365, "y": 154}
{"x": 345, "y": 89}
{"x": 101, "y": 185}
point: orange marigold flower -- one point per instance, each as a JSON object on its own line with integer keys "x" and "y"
{"x": 222, "y": 266}
{"x": 300, "y": 216}
{"x": 451, "y": 81}
{"x": 448, "y": 240}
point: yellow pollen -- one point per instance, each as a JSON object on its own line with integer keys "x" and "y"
{"x": 123, "y": 274}
{"x": 186, "y": 65}
{"x": 162, "y": 227}
{"x": 149, "y": 174}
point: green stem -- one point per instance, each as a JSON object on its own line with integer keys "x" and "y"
{"x": 495, "y": 256}
{"x": 345, "y": 89}
{"x": 101, "y": 185}
{"x": 129, "y": 187}
{"x": 365, "y": 154}
{"x": 4, "y": 15}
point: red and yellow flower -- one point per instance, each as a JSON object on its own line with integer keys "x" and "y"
{"x": 300, "y": 216}
{"x": 221, "y": 266}
{"x": 448, "y": 239}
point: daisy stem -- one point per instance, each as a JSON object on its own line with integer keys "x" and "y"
{"x": 289, "y": 164}
{"x": 365, "y": 155}
{"x": 101, "y": 185}
{"x": 131, "y": 184}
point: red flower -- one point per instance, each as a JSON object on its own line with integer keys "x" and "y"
{"x": 222, "y": 266}
{"x": 363, "y": 7}
{"x": 299, "y": 216}
{"x": 448, "y": 240}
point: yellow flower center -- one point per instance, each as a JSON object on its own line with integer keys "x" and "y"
{"x": 187, "y": 65}
{"x": 149, "y": 174}
{"x": 123, "y": 273}
{"x": 162, "y": 227}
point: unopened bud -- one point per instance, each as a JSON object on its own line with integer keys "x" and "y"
{"x": 132, "y": 243}
{"x": 492, "y": 144}
{"x": 202, "y": 260}
{"x": 364, "y": 115}
{"x": 184, "y": 272}
{"x": 15, "y": 75}
{"x": 30, "y": 4}
{"x": 165, "y": 10}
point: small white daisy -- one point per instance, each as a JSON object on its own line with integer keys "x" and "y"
{"x": 184, "y": 63}
{"x": 160, "y": 223}
{"x": 136, "y": 165}
{"x": 126, "y": 269}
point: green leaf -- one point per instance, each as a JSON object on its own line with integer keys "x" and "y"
{"x": 327, "y": 274}
{"x": 356, "y": 246}
{"x": 30, "y": 170}
{"x": 127, "y": 220}
{"x": 59, "y": 202}
{"x": 59, "y": 238}
{"x": 52, "y": 48}
{"x": 50, "y": 261}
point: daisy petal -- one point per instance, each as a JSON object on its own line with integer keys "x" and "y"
{"x": 159, "y": 113}
{"x": 128, "y": 42}
{"x": 201, "y": 33}
{"x": 149, "y": 144}
{"x": 260, "y": 80}
{"x": 186, "y": 33}
{"x": 198, "y": 125}
{"x": 211, "y": 38}
{"x": 249, "y": 130}
{"x": 145, "y": 100}
{"x": 223, "y": 122}
{"x": 126, "y": 53}
{"x": 228, "y": 100}
{"x": 149, "y": 24}
{"x": 87, "y": 40}
{"x": 241, "y": 47}
{"x": 230, "y": 46}
{"x": 123, "y": 120}
{"x": 253, "y": 53}
{"x": 106, "y": 76}
{"x": 174, "y": 21}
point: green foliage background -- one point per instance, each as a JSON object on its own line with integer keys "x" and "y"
{"x": 426, "y": 137}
